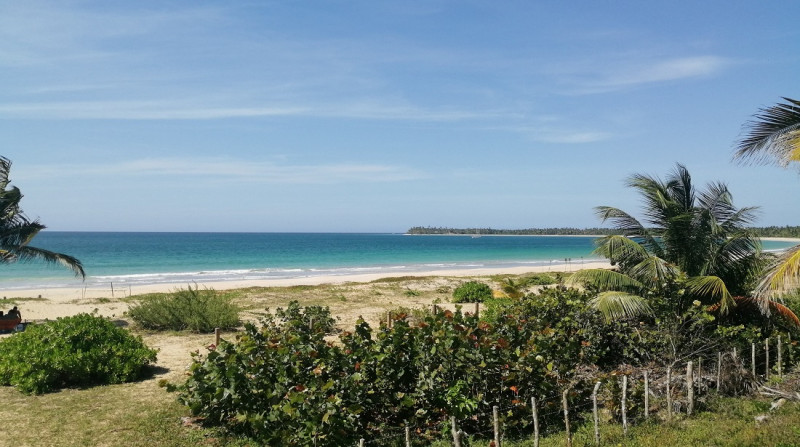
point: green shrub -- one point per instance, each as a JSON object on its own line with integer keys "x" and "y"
{"x": 540, "y": 279}
{"x": 74, "y": 351}
{"x": 472, "y": 292}
{"x": 197, "y": 310}
{"x": 282, "y": 383}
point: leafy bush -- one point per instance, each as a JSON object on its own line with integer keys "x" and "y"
{"x": 197, "y": 310}
{"x": 73, "y": 351}
{"x": 472, "y": 292}
{"x": 287, "y": 384}
{"x": 284, "y": 384}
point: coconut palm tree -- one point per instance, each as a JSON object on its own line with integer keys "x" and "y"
{"x": 17, "y": 231}
{"x": 775, "y": 137}
{"x": 692, "y": 245}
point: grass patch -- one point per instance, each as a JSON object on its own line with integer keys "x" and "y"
{"x": 399, "y": 279}
{"x": 196, "y": 310}
{"x": 730, "y": 424}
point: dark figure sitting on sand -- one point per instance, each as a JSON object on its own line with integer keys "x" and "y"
{"x": 9, "y": 322}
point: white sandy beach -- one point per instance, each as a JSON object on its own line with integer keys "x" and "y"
{"x": 65, "y": 301}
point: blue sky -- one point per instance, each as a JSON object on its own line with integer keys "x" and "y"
{"x": 379, "y": 116}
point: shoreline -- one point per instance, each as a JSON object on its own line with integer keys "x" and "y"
{"x": 781, "y": 239}
{"x": 81, "y": 292}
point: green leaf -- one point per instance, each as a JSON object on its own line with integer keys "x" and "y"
{"x": 711, "y": 287}
{"x": 619, "y": 305}
{"x": 604, "y": 279}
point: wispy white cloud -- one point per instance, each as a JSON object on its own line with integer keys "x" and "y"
{"x": 622, "y": 75}
{"x": 47, "y": 33}
{"x": 670, "y": 70}
{"x": 179, "y": 110}
{"x": 223, "y": 169}
{"x": 571, "y": 137}
{"x": 136, "y": 110}
{"x": 555, "y": 129}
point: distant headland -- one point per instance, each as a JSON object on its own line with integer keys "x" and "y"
{"x": 771, "y": 231}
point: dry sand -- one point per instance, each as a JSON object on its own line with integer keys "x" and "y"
{"x": 60, "y": 302}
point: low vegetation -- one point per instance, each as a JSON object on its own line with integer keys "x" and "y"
{"x": 82, "y": 350}
{"x": 472, "y": 292}
{"x": 192, "y": 309}
{"x": 287, "y": 383}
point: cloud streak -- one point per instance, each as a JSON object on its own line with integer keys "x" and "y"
{"x": 220, "y": 169}
{"x": 628, "y": 75}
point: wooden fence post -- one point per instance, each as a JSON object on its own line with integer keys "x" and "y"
{"x": 496, "y": 425}
{"x": 408, "y": 436}
{"x": 753, "y": 358}
{"x": 669, "y": 393}
{"x": 566, "y": 417}
{"x": 646, "y": 395}
{"x": 535, "y": 422}
{"x": 766, "y": 358}
{"x": 456, "y": 434}
{"x": 690, "y": 388}
{"x": 780, "y": 359}
{"x": 699, "y": 373}
{"x": 361, "y": 442}
{"x": 216, "y": 336}
{"x": 719, "y": 370}
{"x": 624, "y": 404}
{"x": 596, "y": 415}
{"x": 477, "y": 310}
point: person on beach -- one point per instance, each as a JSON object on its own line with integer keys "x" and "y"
{"x": 14, "y": 313}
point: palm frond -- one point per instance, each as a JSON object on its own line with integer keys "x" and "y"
{"x": 621, "y": 220}
{"x": 717, "y": 199}
{"x": 618, "y": 305}
{"x": 654, "y": 272}
{"x": 604, "y": 280}
{"x": 27, "y": 253}
{"x": 746, "y": 303}
{"x": 711, "y": 287}
{"x": 782, "y": 276}
{"x": 680, "y": 189}
{"x": 5, "y": 168}
{"x": 658, "y": 204}
{"x": 618, "y": 248}
{"x": 774, "y": 135}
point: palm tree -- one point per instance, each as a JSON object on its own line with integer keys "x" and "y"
{"x": 775, "y": 136}
{"x": 692, "y": 246}
{"x": 17, "y": 231}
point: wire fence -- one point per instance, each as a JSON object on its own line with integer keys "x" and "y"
{"x": 663, "y": 394}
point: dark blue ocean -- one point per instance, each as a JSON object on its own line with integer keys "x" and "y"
{"x": 153, "y": 258}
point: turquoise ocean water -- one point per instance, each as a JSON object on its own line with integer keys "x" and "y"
{"x": 152, "y": 258}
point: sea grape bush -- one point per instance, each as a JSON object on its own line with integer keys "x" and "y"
{"x": 284, "y": 383}
{"x": 80, "y": 350}
{"x": 196, "y": 310}
{"x": 472, "y": 292}
{"x": 287, "y": 383}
